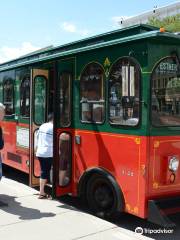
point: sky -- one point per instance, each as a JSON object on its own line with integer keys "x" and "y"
{"x": 28, "y": 25}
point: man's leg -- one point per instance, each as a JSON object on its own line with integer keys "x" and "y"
{"x": 42, "y": 186}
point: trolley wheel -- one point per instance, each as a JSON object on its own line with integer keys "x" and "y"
{"x": 102, "y": 197}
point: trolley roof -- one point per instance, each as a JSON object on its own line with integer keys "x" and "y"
{"x": 133, "y": 33}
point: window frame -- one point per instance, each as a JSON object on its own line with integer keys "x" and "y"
{"x": 137, "y": 67}
{"x": 13, "y": 95}
{"x": 151, "y": 85}
{"x": 33, "y": 101}
{"x": 103, "y": 90}
{"x": 70, "y": 160}
{"x": 20, "y": 106}
{"x": 70, "y": 98}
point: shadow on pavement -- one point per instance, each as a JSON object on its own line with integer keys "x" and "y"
{"x": 125, "y": 221}
{"x": 24, "y": 213}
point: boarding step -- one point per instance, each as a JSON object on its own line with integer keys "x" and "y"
{"x": 159, "y": 209}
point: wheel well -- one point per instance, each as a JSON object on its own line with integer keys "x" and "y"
{"x": 91, "y": 172}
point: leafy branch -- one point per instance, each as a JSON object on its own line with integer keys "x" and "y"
{"x": 170, "y": 23}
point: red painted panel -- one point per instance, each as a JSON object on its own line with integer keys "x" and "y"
{"x": 9, "y": 131}
{"x": 123, "y": 156}
{"x": 161, "y": 149}
{"x": 139, "y": 164}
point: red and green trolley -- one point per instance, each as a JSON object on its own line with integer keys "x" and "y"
{"x": 116, "y": 104}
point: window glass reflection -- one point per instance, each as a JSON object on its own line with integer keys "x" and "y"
{"x": 92, "y": 94}
{"x": 39, "y": 99}
{"x": 25, "y": 97}
{"x": 65, "y": 99}
{"x": 165, "y": 99}
{"x": 8, "y": 96}
{"x": 124, "y": 81}
{"x": 64, "y": 159}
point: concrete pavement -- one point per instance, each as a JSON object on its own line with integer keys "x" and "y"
{"x": 27, "y": 217}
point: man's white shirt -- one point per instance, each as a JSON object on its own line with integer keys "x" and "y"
{"x": 45, "y": 140}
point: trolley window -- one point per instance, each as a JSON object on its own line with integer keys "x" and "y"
{"x": 124, "y": 86}
{"x": 8, "y": 96}
{"x": 25, "y": 97}
{"x": 165, "y": 95}
{"x": 65, "y": 99}
{"x": 65, "y": 163}
{"x": 92, "y": 94}
{"x": 40, "y": 99}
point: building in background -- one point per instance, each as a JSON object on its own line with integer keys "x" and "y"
{"x": 156, "y": 12}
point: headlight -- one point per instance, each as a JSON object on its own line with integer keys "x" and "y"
{"x": 173, "y": 164}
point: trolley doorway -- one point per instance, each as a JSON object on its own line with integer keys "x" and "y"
{"x": 63, "y": 131}
{"x": 41, "y": 90}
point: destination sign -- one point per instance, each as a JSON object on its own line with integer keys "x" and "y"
{"x": 166, "y": 66}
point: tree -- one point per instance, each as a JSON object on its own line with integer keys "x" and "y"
{"x": 170, "y": 23}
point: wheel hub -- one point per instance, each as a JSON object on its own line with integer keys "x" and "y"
{"x": 103, "y": 197}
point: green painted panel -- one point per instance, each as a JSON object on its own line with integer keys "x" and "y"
{"x": 106, "y": 58}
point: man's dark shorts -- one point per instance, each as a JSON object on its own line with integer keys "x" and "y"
{"x": 45, "y": 164}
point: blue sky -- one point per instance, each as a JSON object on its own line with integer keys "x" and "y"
{"x": 27, "y": 25}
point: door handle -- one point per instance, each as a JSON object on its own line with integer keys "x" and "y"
{"x": 78, "y": 139}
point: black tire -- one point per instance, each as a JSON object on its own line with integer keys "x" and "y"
{"x": 102, "y": 197}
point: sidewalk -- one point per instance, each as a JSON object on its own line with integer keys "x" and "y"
{"x": 27, "y": 217}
